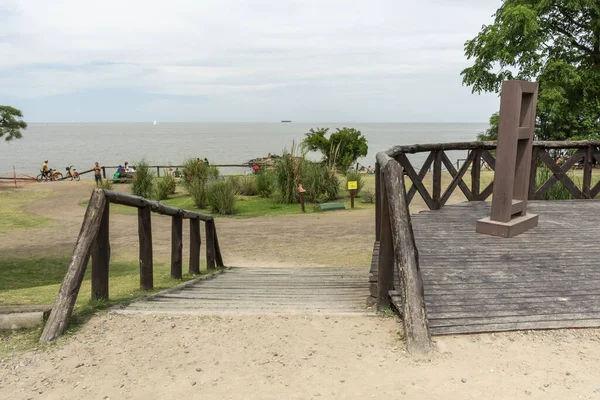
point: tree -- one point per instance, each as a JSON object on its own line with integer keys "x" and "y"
{"x": 342, "y": 149}
{"x": 10, "y": 126}
{"x": 490, "y": 133}
{"x": 553, "y": 42}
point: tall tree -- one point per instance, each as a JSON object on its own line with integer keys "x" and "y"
{"x": 554, "y": 42}
{"x": 342, "y": 148}
{"x": 10, "y": 123}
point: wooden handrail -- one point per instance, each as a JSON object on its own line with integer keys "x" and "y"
{"x": 93, "y": 240}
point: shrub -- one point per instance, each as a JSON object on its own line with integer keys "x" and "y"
{"x": 142, "y": 183}
{"x": 289, "y": 175}
{"x": 368, "y": 195}
{"x": 265, "y": 183}
{"x": 221, "y": 197}
{"x": 246, "y": 185}
{"x": 164, "y": 186}
{"x": 355, "y": 176}
{"x": 106, "y": 184}
{"x": 320, "y": 181}
{"x": 196, "y": 177}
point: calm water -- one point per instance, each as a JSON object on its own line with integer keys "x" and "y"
{"x": 81, "y": 144}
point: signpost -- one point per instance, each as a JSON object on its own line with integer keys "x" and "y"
{"x": 352, "y": 186}
{"x": 301, "y": 190}
{"x": 516, "y": 127}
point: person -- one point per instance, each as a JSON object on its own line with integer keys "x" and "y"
{"x": 177, "y": 173}
{"x": 206, "y": 161}
{"x": 199, "y": 161}
{"x": 170, "y": 172}
{"x": 255, "y": 168}
{"x": 97, "y": 173}
{"x": 45, "y": 169}
{"x": 128, "y": 168}
{"x": 370, "y": 170}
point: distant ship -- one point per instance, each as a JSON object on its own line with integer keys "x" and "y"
{"x": 154, "y": 122}
{"x": 285, "y": 120}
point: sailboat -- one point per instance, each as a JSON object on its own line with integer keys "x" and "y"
{"x": 154, "y": 122}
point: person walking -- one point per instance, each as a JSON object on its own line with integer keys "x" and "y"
{"x": 97, "y": 174}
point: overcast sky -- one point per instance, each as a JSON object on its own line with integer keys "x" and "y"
{"x": 237, "y": 61}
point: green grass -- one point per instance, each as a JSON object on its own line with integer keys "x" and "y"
{"x": 37, "y": 281}
{"x": 254, "y": 206}
{"x": 12, "y": 210}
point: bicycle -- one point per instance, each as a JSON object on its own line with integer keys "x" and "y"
{"x": 52, "y": 175}
{"x": 72, "y": 173}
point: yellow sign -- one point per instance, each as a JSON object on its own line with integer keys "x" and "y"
{"x": 352, "y": 185}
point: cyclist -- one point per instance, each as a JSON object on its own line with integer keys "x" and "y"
{"x": 45, "y": 169}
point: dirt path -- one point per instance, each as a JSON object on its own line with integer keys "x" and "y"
{"x": 274, "y": 357}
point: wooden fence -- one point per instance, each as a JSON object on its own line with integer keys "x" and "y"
{"x": 582, "y": 153}
{"x": 93, "y": 240}
{"x": 395, "y": 249}
{"x": 158, "y": 167}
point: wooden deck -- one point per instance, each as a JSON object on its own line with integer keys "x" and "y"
{"x": 548, "y": 277}
{"x": 321, "y": 291}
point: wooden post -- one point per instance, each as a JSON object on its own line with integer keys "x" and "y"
{"x": 176, "y": 246}
{"x": 352, "y": 194}
{"x": 385, "y": 275}
{"x": 157, "y": 171}
{"x": 210, "y": 244}
{"x": 377, "y": 201}
{"x": 104, "y": 172}
{"x": 219, "y": 256}
{"x": 414, "y": 314}
{"x": 476, "y": 175}
{"x": 533, "y": 173}
{"x": 302, "y": 202}
{"x": 145, "y": 237}
{"x": 67, "y": 295}
{"x": 437, "y": 179}
{"x": 101, "y": 258}
{"x": 195, "y": 243}
{"x": 15, "y": 176}
{"x": 588, "y": 165}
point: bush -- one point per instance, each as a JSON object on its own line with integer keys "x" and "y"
{"x": 106, "y": 184}
{"x": 221, "y": 197}
{"x": 289, "y": 175}
{"x": 246, "y": 185}
{"x": 355, "y": 176}
{"x": 143, "y": 180}
{"x": 368, "y": 195}
{"x": 320, "y": 181}
{"x": 558, "y": 191}
{"x": 196, "y": 177}
{"x": 265, "y": 183}
{"x": 163, "y": 187}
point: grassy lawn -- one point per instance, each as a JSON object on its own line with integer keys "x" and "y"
{"x": 12, "y": 210}
{"x": 37, "y": 281}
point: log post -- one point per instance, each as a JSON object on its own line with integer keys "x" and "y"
{"x": 385, "y": 275}
{"x": 476, "y": 175}
{"x": 414, "y": 314}
{"x": 219, "y": 256}
{"x": 101, "y": 258}
{"x": 210, "y": 244}
{"x": 157, "y": 171}
{"x": 437, "y": 179}
{"x": 195, "y": 243}
{"x": 67, "y": 295}
{"x": 145, "y": 236}
{"x": 176, "y": 246}
{"x": 103, "y": 172}
{"x": 377, "y": 201}
{"x": 533, "y": 173}
{"x": 588, "y": 165}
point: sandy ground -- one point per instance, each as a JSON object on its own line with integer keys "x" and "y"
{"x": 280, "y": 357}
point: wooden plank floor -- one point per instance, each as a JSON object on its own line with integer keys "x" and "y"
{"x": 322, "y": 291}
{"x": 548, "y": 277}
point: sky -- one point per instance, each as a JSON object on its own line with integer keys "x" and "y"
{"x": 241, "y": 61}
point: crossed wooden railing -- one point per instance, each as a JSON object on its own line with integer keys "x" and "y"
{"x": 93, "y": 240}
{"x": 395, "y": 250}
{"x": 586, "y": 153}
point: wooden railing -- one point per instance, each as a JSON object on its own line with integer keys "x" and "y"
{"x": 395, "y": 249}
{"x": 158, "y": 167}
{"x": 93, "y": 240}
{"x": 586, "y": 154}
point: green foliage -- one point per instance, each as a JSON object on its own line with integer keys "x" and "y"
{"x": 265, "y": 183}
{"x": 341, "y": 150}
{"x": 246, "y": 185}
{"x": 358, "y": 177}
{"x": 289, "y": 175}
{"x": 368, "y": 195}
{"x": 142, "y": 183}
{"x": 10, "y": 123}
{"x": 554, "y": 42}
{"x": 164, "y": 186}
{"x": 320, "y": 181}
{"x": 558, "y": 191}
{"x": 105, "y": 184}
{"x": 491, "y": 134}
{"x": 196, "y": 177}
{"x": 221, "y": 197}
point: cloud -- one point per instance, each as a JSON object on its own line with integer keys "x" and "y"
{"x": 221, "y": 47}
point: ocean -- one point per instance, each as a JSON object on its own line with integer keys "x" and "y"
{"x": 82, "y": 144}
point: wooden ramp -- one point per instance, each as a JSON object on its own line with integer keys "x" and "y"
{"x": 548, "y": 277}
{"x": 323, "y": 291}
